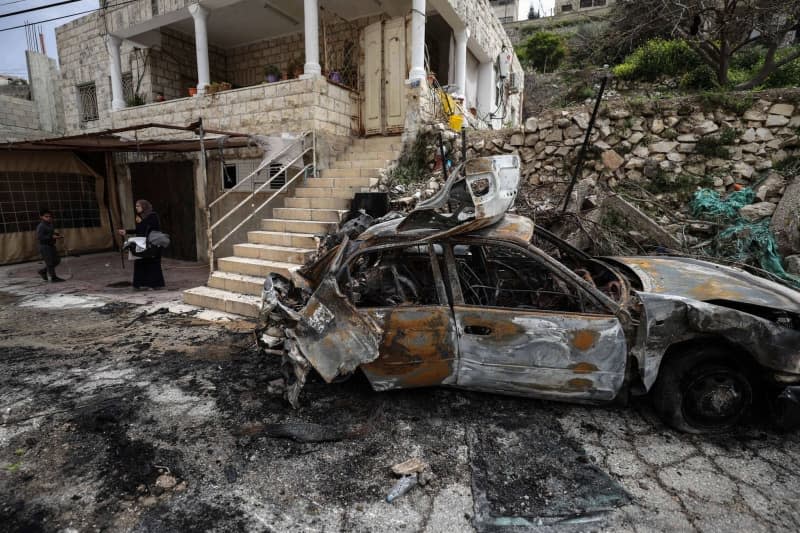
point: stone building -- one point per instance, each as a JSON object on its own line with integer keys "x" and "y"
{"x": 571, "y": 6}
{"x": 505, "y": 10}
{"x": 341, "y": 70}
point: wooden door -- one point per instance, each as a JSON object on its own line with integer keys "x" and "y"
{"x": 394, "y": 50}
{"x": 170, "y": 188}
{"x": 373, "y": 78}
{"x": 385, "y": 67}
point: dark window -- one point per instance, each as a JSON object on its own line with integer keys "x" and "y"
{"x": 71, "y": 197}
{"x": 390, "y": 278}
{"x": 566, "y": 7}
{"x": 586, "y": 3}
{"x": 599, "y": 2}
{"x": 229, "y": 176}
{"x": 87, "y": 102}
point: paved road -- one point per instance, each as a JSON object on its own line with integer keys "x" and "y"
{"x": 111, "y": 420}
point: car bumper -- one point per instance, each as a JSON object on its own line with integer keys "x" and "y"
{"x": 787, "y": 407}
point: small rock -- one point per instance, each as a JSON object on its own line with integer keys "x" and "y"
{"x": 518, "y": 139}
{"x": 636, "y": 137}
{"x": 763, "y": 134}
{"x": 792, "y": 264}
{"x": 657, "y": 126}
{"x": 782, "y": 109}
{"x": 641, "y": 151}
{"x": 754, "y": 116}
{"x": 166, "y": 481}
{"x": 743, "y": 169}
{"x": 757, "y": 211}
{"x": 706, "y": 127}
{"x": 602, "y": 145}
{"x": 749, "y": 135}
{"x": 531, "y": 124}
{"x": 478, "y": 145}
{"x": 555, "y": 136}
{"x": 612, "y": 160}
{"x": 663, "y": 147}
{"x": 563, "y": 122}
{"x": 687, "y": 138}
{"x": 582, "y": 120}
{"x": 776, "y": 120}
{"x": 619, "y": 113}
{"x": 531, "y": 139}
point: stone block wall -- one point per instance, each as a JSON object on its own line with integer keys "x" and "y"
{"x": 19, "y": 119}
{"x": 173, "y": 65}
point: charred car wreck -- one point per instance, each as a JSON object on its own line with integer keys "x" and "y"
{"x": 461, "y": 293}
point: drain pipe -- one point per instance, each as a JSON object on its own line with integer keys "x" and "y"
{"x": 582, "y": 153}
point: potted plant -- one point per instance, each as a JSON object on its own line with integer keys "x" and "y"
{"x": 272, "y": 73}
{"x": 295, "y": 68}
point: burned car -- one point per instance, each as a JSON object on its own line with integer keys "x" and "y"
{"x": 484, "y": 300}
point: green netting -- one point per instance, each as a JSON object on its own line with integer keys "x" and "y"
{"x": 708, "y": 204}
{"x": 744, "y": 241}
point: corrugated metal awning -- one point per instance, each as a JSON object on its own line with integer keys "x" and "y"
{"x": 127, "y": 140}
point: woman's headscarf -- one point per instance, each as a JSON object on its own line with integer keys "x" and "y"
{"x": 147, "y": 208}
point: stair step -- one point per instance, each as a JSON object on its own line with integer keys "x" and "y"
{"x": 326, "y": 192}
{"x": 389, "y": 155}
{"x": 297, "y": 226}
{"x": 238, "y": 283}
{"x": 321, "y": 215}
{"x": 377, "y": 144}
{"x": 348, "y": 173}
{"x": 255, "y": 267}
{"x": 221, "y": 300}
{"x": 359, "y": 163}
{"x": 270, "y": 252}
{"x": 318, "y": 203}
{"x": 281, "y": 238}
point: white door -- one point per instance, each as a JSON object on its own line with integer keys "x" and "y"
{"x": 373, "y": 78}
{"x": 394, "y": 47}
{"x": 385, "y": 66}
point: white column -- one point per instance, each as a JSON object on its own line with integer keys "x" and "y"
{"x": 417, "y": 71}
{"x": 486, "y": 88}
{"x": 311, "y": 21}
{"x": 200, "y": 16}
{"x": 115, "y": 67}
{"x": 461, "y": 60}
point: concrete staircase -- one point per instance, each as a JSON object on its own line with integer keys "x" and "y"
{"x": 285, "y": 242}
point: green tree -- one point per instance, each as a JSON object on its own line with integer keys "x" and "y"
{"x": 715, "y": 29}
{"x": 544, "y": 51}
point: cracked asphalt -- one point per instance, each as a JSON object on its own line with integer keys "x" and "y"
{"x": 124, "y": 411}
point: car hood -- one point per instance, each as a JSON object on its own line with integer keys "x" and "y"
{"x": 704, "y": 281}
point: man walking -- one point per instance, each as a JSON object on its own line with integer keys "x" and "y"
{"x": 46, "y": 235}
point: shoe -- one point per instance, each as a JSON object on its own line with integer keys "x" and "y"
{"x": 56, "y": 279}
{"x": 43, "y": 273}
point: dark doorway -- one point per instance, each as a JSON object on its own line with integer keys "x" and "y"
{"x": 170, "y": 188}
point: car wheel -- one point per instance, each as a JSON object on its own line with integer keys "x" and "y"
{"x": 702, "y": 392}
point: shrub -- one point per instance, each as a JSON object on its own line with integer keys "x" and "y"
{"x": 700, "y": 77}
{"x": 544, "y": 51}
{"x": 732, "y": 103}
{"x": 656, "y": 58}
{"x": 714, "y": 146}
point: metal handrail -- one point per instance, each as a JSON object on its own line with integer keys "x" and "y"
{"x": 210, "y": 231}
{"x": 261, "y": 166}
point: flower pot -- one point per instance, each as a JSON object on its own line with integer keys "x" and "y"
{"x": 272, "y": 78}
{"x": 192, "y": 91}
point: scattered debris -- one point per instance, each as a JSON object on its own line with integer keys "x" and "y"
{"x": 415, "y": 465}
{"x": 403, "y": 485}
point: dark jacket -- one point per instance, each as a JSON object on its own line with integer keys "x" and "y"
{"x": 143, "y": 229}
{"x": 44, "y": 233}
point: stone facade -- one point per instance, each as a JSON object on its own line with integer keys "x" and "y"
{"x": 18, "y": 119}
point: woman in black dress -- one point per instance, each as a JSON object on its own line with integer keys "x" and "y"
{"x": 147, "y": 269}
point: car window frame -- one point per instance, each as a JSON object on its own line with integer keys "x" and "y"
{"x": 544, "y": 260}
{"x": 343, "y": 268}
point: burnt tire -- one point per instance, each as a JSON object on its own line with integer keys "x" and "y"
{"x": 702, "y": 391}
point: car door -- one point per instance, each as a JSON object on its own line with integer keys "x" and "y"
{"x": 400, "y": 288}
{"x": 528, "y": 329}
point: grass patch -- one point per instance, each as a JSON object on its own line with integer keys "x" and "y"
{"x": 736, "y": 103}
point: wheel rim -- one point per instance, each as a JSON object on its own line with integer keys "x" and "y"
{"x": 716, "y": 398}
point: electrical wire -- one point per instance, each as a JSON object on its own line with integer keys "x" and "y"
{"x": 68, "y": 16}
{"x": 39, "y": 8}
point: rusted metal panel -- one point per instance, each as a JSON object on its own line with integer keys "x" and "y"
{"x": 672, "y": 319}
{"x": 418, "y": 348}
{"x": 541, "y": 354}
{"x": 333, "y": 336}
{"x": 703, "y": 281}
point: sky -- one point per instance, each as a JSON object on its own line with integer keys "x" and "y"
{"x": 13, "y": 42}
